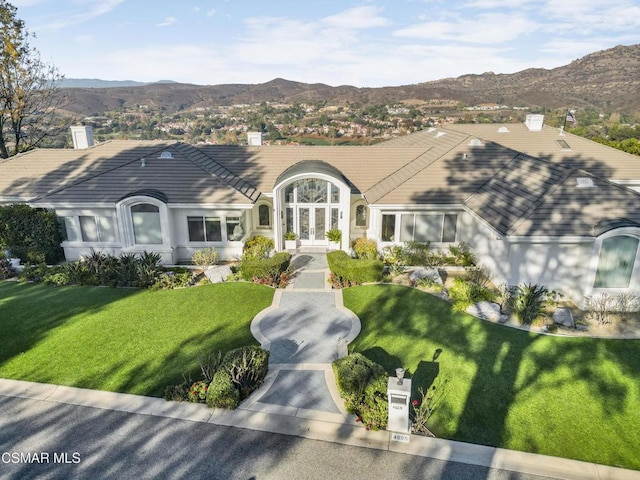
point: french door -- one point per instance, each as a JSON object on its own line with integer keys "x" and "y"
{"x": 312, "y": 225}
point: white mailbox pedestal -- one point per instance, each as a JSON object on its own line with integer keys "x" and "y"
{"x": 399, "y": 397}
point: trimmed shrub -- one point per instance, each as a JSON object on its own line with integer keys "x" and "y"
{"x": 169, "y": 280}
{"x": 177, "y": 393}
{"x": 265, "y": 268}
{"x": 363, "y": 385}
{"x": 366, "y": 248}
{"x": 349, "y": 271}
{"x": 258, "y": 247}
{"x": 222, "y": 392}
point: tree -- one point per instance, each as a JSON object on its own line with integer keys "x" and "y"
{"x": 28, "y": 88}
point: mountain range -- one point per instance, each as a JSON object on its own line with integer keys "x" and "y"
{"x": 608, "y": 80}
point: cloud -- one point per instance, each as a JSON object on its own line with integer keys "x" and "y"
{"x": 167, "y": 22}
{"x": 95, "y": 8}
{"x": 491, "y": 28}
{"x": 211, "y": 13}
{"x": 356, "y": 18}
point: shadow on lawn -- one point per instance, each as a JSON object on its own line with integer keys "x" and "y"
{"x": 508, "y": 366}
{"x": 23, "y": 323}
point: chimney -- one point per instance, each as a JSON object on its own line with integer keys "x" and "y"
{"x": 82, "y": 136}
{"x": 534, "y": 122}
{"x": 254, "y": 138}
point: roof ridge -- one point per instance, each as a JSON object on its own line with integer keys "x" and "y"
{"x": 222, "y": 173}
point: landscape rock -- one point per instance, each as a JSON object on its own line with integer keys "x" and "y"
{"x": 563, "y": 316}
{"x": 426, "y": 273}
{"x": 218, "y": 273}
{"x": 487, "y": 310}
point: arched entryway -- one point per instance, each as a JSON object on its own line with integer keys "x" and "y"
{"x": 312, "y": 197}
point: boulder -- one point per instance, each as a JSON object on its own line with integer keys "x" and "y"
{"x": 426, "y": 273}
{"x": 218, "y": 273}
{"x": 562, "y": 316}
{"x": 486, "y": 310}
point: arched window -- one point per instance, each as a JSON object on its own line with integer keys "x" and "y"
{"x": 146, "y": 224}
{"x": 361, "y": 216}
{"x": 616, "y": 262}
{"x": 264, "y": 215}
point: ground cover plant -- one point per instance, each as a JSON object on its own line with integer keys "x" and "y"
{"x": 122, "y": 340}
{"x": 570, "y": 397}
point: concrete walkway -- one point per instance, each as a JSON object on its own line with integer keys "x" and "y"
{"x": 302, "y": 329}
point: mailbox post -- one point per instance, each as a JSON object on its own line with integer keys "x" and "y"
{"x": 399, "y": 396}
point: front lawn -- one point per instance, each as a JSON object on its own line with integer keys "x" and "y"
{"x": 122, "y": 340}
{"x": 569, "y": 397}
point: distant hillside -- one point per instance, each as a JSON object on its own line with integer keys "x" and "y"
{"x": 609, "y": 80}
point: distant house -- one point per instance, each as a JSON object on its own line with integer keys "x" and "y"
{"x": 535, "y": 204}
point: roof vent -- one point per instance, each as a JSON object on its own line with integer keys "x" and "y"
{"x": 474, "y": 142}
{"x": 584, "y": 182}
{"x": 534, "y": 122}
{"x": 166, "y": 155}
{"x": 503, "y": 130}
{"x": 143, "y": 162}
{"x": 440, "y": 134}
{"x": 431, "y": 129}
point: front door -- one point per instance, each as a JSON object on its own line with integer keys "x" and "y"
{"x": 312, "y": 225}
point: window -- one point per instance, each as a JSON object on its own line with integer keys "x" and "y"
{"x": 335, "y": 215}
{"x": 235, "y": 228}
{"x": 146, "y": 224}
{"x": 388, "y": 228}
{"x": 361, "y": 216}
{"x": 96, "y": 229}
{"x": 289, "y": 219}
{"x": 426, "y": 227}
{"x": 616, "y": 261}
{"x": 204, "y": 229}
{"x": 264, "y": 216}
{"x": 68, "y": 229}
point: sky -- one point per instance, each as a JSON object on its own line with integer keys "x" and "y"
{"x": 338, "y": 42}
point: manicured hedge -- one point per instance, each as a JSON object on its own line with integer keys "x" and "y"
{"x": 32, "y": 234}
{"x": 251, "y": 268}
{"x": 362, "y": 384}
{"x": 354, "y": 271}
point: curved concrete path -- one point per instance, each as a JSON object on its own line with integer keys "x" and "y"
{"x": 302, "y": 329}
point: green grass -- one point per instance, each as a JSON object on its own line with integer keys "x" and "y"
{"x": 121, "y": 340}
{"x": 569, "y": 397}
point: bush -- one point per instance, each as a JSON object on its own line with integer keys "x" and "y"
{"x": 471, "y": 289}
{"x": 32, "y": 234}
{"x": 363, "y": 385}
{"x": 6, "y": 270}
{"x": 222, "y": 393}
{"x": 366, "y": 248}
{"x": 265, "y": 270}
{"x": 348, "y": 271}
{"x": 169, "y": 280}
{"x": 461, "y": 255}
{"x": 177, "y": 393}
{"x": 258, "y": 247}
{"x": 33, "y": 273}
{"x": 197, "y": 392}
{"x": 205, "y": 257}
{"x": 353, "y": 372}
{"x": 241, "y": 372}
{"x": 527, "y": 302}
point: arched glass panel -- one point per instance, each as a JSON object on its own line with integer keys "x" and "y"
{"x": 264, "y": 216}
{"x": 616, "y": 261}
{"x": 146, "y": 224}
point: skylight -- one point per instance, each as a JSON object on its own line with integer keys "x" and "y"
{"x": 503, "y": 130}
{"x": 584, "y": 182}
{"x": 474, "y": 142}
{"x": 563, "y": 144}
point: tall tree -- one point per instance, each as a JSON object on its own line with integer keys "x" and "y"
{"x": 28, "y": 88}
